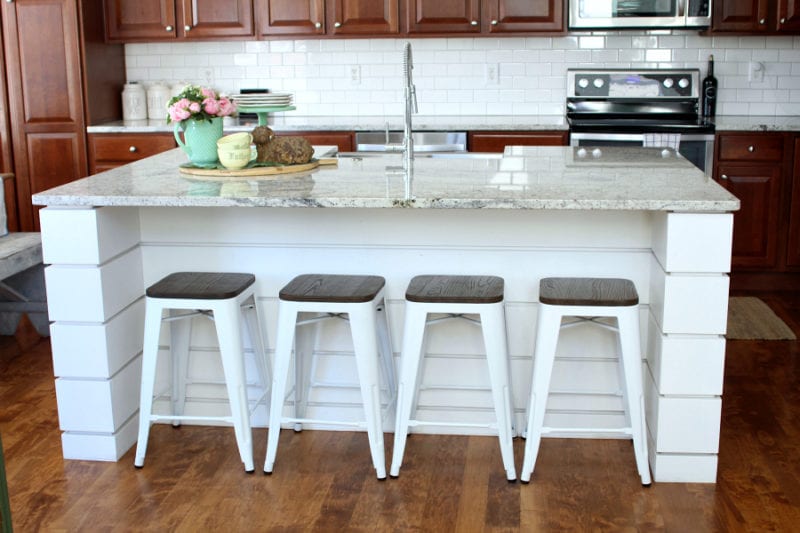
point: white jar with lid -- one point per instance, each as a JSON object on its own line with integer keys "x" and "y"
{"x": 134, "y": 102}
{"x": 158, "y": 96}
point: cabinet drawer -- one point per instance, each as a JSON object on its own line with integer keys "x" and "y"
{"x": 751, "y": 147}
{"x": 129, "y": 147}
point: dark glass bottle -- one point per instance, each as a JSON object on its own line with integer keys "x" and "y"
{"x": 709, "y": 90}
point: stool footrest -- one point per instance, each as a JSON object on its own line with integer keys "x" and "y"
{"x": 620, "y": 431}
{"x": 322, "y": 422}
{"x": 414, "y": 423}
{"x": 190, "y": 418}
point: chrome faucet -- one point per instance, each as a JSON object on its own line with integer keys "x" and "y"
{"x": 410, "y": 94}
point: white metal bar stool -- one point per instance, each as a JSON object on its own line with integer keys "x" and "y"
{"x": 587, "y": 299}
{"x": 358, "y": 299}
{"x": 455, "y": 297}
{"x": 221, "y": 297}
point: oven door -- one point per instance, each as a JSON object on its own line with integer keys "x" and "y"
{"x": 696, "y": 148}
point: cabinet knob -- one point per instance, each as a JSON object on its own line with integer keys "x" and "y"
{"x": 494, "y": 23}
{"x": 169, "y": 28}
{"x": 751, "y": 149}
{"x": 187, "y": 28}
{"x": 783, "y": 20}
{"x": 133, "y": 149}
{"x": 337, "y": 24}
{"x": 474, "y": 23}
{"x": 762, "y": 21}
{"x": 318, "y": 25}
{"x": 723, "y": 176}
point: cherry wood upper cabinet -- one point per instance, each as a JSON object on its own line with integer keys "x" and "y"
{"x": 158, "y": 20}
{"x": 509, "y": 16}
{"x": 290, "y": 17}
{"x": 364, "y": 17}
{"x": 789, "y": 16}
{"x": 756, "y": 16}
{"x": 484, "y": 16}
{"x": 443, "y": 16}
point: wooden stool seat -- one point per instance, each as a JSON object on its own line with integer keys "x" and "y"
{"x": 201, "y": 285}
{"x": 332, "y": 288}
{"x": 455, "y": 289}
{"x": 605, "y": 292}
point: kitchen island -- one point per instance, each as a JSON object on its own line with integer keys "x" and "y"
{"x": 643, "y": 214}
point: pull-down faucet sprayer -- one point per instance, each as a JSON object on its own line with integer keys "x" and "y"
{"x": 410, "y": 94}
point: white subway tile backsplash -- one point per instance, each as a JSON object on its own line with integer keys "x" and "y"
{"x": 450, "y": 73}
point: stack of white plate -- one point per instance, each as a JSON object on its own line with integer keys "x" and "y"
{"x": 263, "y": 99}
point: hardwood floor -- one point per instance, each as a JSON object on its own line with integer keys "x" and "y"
{"x": 323, "y": 481}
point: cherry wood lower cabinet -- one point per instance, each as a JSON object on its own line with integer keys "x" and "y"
{"x": 793, "y": 246}
{"x": 496, "y": 141}
{"x": 342, "y": 139}
{"x": 110, "y": 150}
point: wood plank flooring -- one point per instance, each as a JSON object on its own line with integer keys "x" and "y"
{"x": 323, "y": 481}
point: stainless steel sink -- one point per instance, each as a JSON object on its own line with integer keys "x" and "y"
{"x": 424, "y": 141}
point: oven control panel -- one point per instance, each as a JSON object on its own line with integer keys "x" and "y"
{"x": 624, "y": 84}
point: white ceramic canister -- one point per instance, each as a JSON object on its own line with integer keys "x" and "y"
{"x": 134, "y": 102}
{"x": 158, "y": 95}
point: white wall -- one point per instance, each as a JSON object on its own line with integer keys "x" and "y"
{"x": 451, "y": 73}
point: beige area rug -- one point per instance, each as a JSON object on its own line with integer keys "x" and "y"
{"x": 751, "y": 318}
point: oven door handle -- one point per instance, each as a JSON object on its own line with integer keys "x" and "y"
{"x": 634, "y": 137}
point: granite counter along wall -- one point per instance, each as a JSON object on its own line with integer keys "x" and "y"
{"x": 450, "y": 73}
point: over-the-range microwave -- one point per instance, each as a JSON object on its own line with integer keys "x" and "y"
{"x": 615, "y": 14}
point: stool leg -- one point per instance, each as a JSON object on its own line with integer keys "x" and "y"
{"x": 411, "y": 353}
{"x": 152, "y": 328}
{"x": 226, "y": 318}
{"x": 494, "y": 338}
{"x": 305, "y": 339}
{"x": 387, "y": 356}
{"x": 287, "y": 318}
{"x": 363, "y": 326}
{"x": 548, "y": 326}
{"x": 631, "y": 362}
{"x": 180, "y": 334}
{"x": 255, "y": 333}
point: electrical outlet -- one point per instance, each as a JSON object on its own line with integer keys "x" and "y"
{"x": 208, "y": 76}
{"x": 492, "y": 74}
{"x": 355, "y": 74}
{"x": 755, "y": 71}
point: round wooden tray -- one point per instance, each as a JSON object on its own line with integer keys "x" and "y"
{"x": 255, "y": 172}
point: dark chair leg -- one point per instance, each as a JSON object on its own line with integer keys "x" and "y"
{"x": 5, "y": 507}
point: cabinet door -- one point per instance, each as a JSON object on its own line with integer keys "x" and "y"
{"x": 290, "y": 17}
{"x": 342, "y": 139}
{"x": 507, "y": 16}
{"x": 443, "y": 16}
{"x": 45, "y": 97}
{"x": 755, "y": 225}
{"x": 364, "y": 17}
{"x": 496, "y": 141}
{"x": 141, "y": 20}
{"x": 748, "y": 16}
{"x": 793, "y": 250}
{"x": 789, "y": 15}
{"x": 205, "y": 19}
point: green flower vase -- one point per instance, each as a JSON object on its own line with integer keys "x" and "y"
{"x": 201, "y": 139}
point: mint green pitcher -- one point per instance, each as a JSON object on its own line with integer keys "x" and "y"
{"x": 201, "y": 139}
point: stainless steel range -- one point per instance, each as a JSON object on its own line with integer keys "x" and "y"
{"x": 645, "y": 107}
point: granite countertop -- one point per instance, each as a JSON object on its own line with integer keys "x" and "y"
{"x": 293, "y": 122}
{"x": 523, "y": 178}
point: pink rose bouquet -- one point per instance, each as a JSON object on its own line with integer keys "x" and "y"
{"x": 198, "y": 103}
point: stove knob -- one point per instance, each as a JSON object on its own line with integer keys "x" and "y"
{"x": 598, "y": 82}
{"x": 668, "y": 83}
{"x": 596, "y": 153}
{"x": 583, "y": 83}
{"x": 581, "y": 153}
{"x": 683, "y": 83}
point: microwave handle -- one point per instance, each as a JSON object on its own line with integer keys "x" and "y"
{"x": 682, "y": 8}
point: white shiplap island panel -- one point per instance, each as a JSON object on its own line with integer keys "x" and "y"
{"x": 532, "y": 213}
